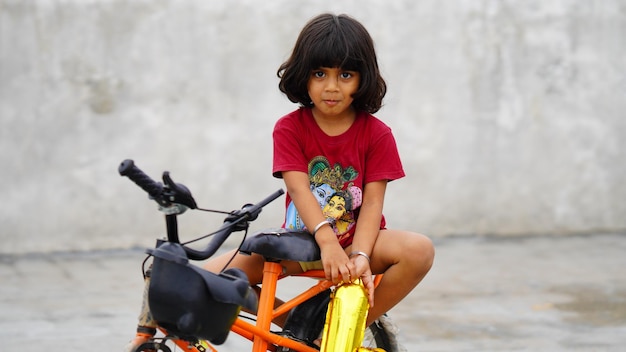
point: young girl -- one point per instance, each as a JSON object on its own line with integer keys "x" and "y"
{"x": 333, "y": 143}
{"x": 336, "y": 160}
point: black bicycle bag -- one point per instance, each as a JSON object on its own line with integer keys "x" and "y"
{"x": 190, "y": 302}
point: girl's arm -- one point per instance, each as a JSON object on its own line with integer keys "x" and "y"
{"x": 367, "y": 229}
{"x": 337, "y": 266}
{"x": 370, "y": 215}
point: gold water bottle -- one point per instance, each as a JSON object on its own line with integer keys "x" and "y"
{"x": 345, "y": 319}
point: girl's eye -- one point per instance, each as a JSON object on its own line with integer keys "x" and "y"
{"x": 346, "y": 75}
{"x": 318, "y": 74}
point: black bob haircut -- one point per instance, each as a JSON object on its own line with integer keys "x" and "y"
{"x": 334, "y": 41}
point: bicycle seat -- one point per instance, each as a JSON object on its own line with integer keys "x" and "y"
{"x": 191, "y": 302}
{"x": 283, "y": 244}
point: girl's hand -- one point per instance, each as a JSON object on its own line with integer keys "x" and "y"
{"x": 364, "y": 272}
{"x": 337, "y": 266}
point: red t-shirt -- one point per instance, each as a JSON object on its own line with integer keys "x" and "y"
{"x": 338, "y": 166}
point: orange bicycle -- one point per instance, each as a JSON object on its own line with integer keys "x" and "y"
{"x": 190, "y": 309}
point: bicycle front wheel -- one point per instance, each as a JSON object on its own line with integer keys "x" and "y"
{"x": 383, "y": 333}
{"x": 306, "y": 322}
{"x": 153, "y": 347}
{"x": 376, "y": 336}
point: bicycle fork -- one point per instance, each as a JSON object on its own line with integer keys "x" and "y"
{"x": 345, "y": 320}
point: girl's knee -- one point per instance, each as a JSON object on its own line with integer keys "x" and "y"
{"x": 413, "y": 252}
{"x": 420, "y": 252}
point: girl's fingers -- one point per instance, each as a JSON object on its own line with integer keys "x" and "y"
{"x": 369, "y": 286}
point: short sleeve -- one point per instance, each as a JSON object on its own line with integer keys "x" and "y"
{"x": 288, "y": 148}
{"x": 383, "y": 159}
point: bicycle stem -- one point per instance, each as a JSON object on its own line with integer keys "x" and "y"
{"x": 171, "y": 223}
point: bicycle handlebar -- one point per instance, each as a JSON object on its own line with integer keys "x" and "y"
{"x": 236, "y": 220}
{"x": 154, "y": 189}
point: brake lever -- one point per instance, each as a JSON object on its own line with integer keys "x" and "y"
{"x": 177, "y": 193}
{"x": 240, "y": 219}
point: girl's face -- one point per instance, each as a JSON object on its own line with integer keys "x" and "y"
{"x": 331, "y": 91}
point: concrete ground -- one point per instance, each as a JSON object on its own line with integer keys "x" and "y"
{"x": 483, "y": 294}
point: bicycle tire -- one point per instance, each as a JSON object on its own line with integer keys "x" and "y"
{"x": 376, "y": 336}
{"x": 306, "y": 322}
{"x": 152, "y": 347}
{"x": 384, "y": 334}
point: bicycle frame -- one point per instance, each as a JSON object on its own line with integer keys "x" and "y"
{"x": 259, "y": 334}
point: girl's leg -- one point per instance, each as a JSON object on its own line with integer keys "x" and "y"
{"x": 253, "y": 267}
{"x": 405, "y": 258}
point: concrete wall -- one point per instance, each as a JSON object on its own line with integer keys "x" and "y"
{"x": 509, "y": 114}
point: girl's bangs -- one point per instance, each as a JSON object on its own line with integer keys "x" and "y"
{"x": 333, "y": 53}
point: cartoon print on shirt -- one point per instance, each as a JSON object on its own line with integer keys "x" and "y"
{"x": 337, "y": 204}
{"x": 321, "y": 193}
{"x": 339, "y": 208}
{"x": 336, "y": 177}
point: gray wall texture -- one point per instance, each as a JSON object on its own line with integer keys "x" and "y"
{"x": 510, "y": 115}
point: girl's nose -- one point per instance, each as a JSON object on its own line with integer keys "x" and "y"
{"x": 332, "y": 84}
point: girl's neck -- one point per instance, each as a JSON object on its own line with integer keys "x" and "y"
{"x": 334, "y": 125}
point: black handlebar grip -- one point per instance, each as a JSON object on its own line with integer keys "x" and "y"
{"x": 127, "y": 168}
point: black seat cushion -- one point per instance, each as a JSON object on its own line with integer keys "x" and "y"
{"x": 283, "y": 244}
